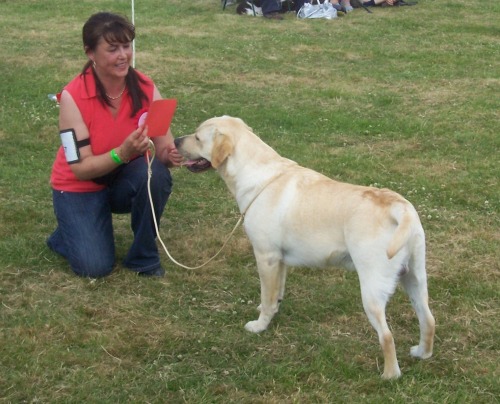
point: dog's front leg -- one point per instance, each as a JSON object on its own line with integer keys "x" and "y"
{"x": 271, "y": 287}
{"x": 282, "y": 281}
{"x": 283, "y": 271}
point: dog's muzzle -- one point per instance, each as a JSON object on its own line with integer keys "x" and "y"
{"x": 193, "y": 165}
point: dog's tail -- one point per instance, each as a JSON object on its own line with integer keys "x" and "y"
{"x": 404, "y": 215}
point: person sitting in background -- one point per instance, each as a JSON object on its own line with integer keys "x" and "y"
{"x": 271, "y": 9}
{"x": 343, "y": 5}
{"x": 99, "y": 169}
{"x": 371, "y": 3}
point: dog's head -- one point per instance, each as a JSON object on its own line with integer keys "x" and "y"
{"x": 211, "y": 144}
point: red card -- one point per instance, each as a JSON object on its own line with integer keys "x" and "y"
{"x": 160, "y": 116}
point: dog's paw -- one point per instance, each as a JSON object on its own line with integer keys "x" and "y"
{"x": 255, "y": 326}
{"x": 391, "y": 374}
{"x": 417, "y": 352}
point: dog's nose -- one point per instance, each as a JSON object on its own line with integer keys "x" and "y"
{"x": 177, "y": 142}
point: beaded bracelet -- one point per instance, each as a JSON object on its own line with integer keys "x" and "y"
{"x": 116, "y": 158}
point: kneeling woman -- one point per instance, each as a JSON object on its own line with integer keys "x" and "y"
{"x": 100, "y": 170}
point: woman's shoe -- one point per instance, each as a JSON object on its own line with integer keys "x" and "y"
{"x": 158, "y": 272}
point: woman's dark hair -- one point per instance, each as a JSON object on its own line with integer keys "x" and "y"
{"x": 113, "y": 28}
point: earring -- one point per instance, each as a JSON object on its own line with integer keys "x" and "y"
{"x": 93, "y": 64}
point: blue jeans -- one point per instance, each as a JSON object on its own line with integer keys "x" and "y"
{"x": 84, "y": 235}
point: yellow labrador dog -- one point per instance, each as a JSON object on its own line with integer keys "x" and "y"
{"x": 298, "y": 217}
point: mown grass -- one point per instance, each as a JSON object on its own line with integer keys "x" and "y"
{"x": 404, "y": 98}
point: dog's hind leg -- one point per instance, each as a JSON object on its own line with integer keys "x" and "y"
{"x": 415, "y": 284}
{"x": 375, "y": 293}
{"x": 271, "y": 288}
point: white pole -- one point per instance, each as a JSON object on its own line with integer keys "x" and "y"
{"x": 133, "y": 42}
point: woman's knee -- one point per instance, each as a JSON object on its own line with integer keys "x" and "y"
{"x": 161, "y": 177}
{"x": 93, "y": 273}
{"x": 92, "y": 264}
{"x": 160, "y": 184}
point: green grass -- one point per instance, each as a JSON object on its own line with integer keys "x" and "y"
{"x": 406, "y": 98}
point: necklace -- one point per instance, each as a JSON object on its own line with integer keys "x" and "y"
{"x": 118, "y": 96}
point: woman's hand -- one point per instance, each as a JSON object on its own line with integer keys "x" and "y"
{"x": 173, "y": 155}
{"x": 135, "y": 144}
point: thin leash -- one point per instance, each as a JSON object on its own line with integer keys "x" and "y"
{"x": 149, "y": 159}
{"x": 152, "y": 151}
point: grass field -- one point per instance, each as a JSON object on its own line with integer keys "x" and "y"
{"x": 406, "y": 98}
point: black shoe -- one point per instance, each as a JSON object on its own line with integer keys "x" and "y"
{"x": 273, "y": 16}
{"x": 158, "y": 272}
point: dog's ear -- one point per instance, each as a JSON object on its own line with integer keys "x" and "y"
{"x": 222, "y": 148}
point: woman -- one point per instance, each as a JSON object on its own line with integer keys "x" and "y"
{"x": 100, "y": 169}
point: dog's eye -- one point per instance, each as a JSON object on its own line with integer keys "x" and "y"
{"x": 197, "y": 138}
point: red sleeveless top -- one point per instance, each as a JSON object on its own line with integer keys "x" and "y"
{"x": 105, "y": 131}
